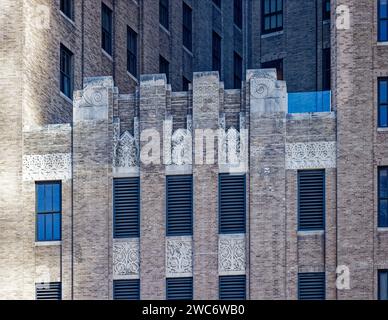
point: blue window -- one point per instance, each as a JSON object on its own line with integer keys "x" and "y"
{"x": 179, "y": 288}
{"x": 179, "y": 204}
{"x": 232, "y": 203}
{"x": 48, "y": 211}
{"x": 126, "y": 208}
{"x": 66, "y": 71}
{"x": 232, "y": 287}
{"x": 271, "y": 15}
{"x": 106, "y": 29}
{"x": 311, "y": 200}
{"x": 383, "y": 20}
{"x": 237, "y": 13}
{"x": 48, "y": 291}
{"x": 187, "y": 27}
{"x": 237, "y": 70}
{"x": 126, "y": 289}
{"x": 383, "y": 197}
{"x": 311, "y": 286}
{"x": 383, "y": 102}
{"x": 132, "y": 52}
{"x": 383, "y": 285}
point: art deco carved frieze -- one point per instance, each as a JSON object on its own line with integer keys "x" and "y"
{"x": 54, "y": 166}
{"x": 126, "y": 258}
{"x": 125, "y": 146}
{"x": 311, "y": 155}
{"x": 231, "y": 254}
{"x": 179, "y": 257}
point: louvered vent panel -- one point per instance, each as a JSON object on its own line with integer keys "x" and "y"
{"x": 311, "y": 286}
{"x": 126, "y": 194}
{"x": 232, "y": 287}
{"x": 180, "y": 289}
{"x": 126, "y": 289}
{"x": 48, "y": 291}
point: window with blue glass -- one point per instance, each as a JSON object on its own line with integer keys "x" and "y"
{"x": 271, "y": 15}
{"x": 187, "y": 27}
{"x": 383, "y": 285}
{"x": 163, "y": 13}
{"x": 66, "y": 71}
{"x": 48, "y": 211}
{"x": 383, "y": 20}
{"x": 67, "y": 8}
{"x": 383, "y": 102}
{"x": 383, "y": 197}
{"x": 237, "y": 13}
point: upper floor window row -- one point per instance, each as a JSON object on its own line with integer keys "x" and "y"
{"x": 271, "y": 15}
{"x": 66, "y": 71}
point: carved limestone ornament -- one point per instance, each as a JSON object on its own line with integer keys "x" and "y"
{"x": 177, "y": 145}
{"x": 311, "y": 155}
{"x": 95, "y": 93}
{"x": 179, "y": 257}
{"x": 233, "y": 145}
{"x": 125, "y": 146}
{"x": 126, "y": 258}
{"x": 231, "y": 251}
{"x": 262, "y": 87}
{"x": 53, "y": 166}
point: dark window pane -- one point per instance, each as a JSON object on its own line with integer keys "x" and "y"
{"x": 164, "y": 67}
{"x": 106, "y": 23}
{"x": 187, "y": 27}
{"x": 67, "y": 8}
{"x": 272, "y": 15}
{"x": 383, "y": 30}
{"x": 164, "y": 13}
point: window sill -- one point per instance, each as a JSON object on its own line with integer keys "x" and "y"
{"x": 188, "y": 51}
{"x": 382, "y": 129}
{"x": 237, "y": 27}
{"x": 326, "y": 21}
{"x": 382, "y": 43}
{"x": 385, "y": 229}
{"x": 132, "y": 77}
{"x": 164, "y": 29}
{"x": 65, "y": 97}
{"x": 311, "y": 233}
{"x": 272, "y": 34}
{"x": 68, "y": 19}
{"x": 47, "y": 243}
{"x": 107, "y": 55}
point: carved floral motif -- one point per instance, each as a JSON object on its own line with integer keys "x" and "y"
{"x": 126, "y": 261}
{"x": 231, "y": 254}
{"x": 54, "y": 166}
{"x": 125, "y": 147}
{"x": 311, "y": 155}
{"x": 179, "y": 257}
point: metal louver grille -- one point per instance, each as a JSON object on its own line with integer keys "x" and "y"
{"x": 126, "y": 206}
{"x": 311, "y": 286}
{"x": 311, "y": 200}
{"x": 126, "y": 289}
{"x": 232, "y": 203}
{"x": 180, "y": 289}
{"x": 179, "y": 205}
{"x": 48, "y": 291}
{"x": 232, "y": 288}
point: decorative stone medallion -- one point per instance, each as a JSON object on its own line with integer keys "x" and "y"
{"x": 179, "y": 260}
{"x": 231, "y": 254}
{"x": 126, "y": 258}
